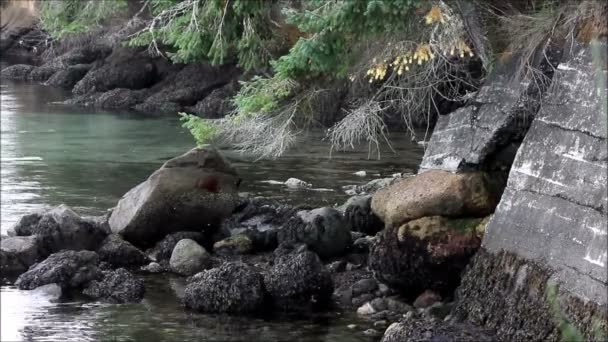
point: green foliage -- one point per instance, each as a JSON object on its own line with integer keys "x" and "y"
{"x": 262, "y": 95}
{"x": 64, "y": 17}
{"x": 211, "y": 30}
{"x": 568, "y": 332}
{"x": 202, "y": 130}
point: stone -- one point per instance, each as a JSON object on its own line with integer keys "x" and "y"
{"x": 379, "y": 304}
{"x": 439, "y": 310}
{"x": 234, "y": 288}
{"x": 426, "y": 330}
{"x": 295, "y": 183}
{"x": 117, "y": 286}
{"x": 337, "y": 266}
{"x": 120, "y": 253}
{"x": 153, "y": 267}
{"x": 364, "y": 244}
{"x": 163, "y": 249}
{"x": 61, "y": 228}
{"x": 380, "y": 324}
{"x": 323, "y": 230}
{"x": 360, "y": 173}
{"x": 352, "y": 326}
{"x": 360, "y": 217}
{"x": 364, "y": 286}
{"x": 188, "y": 258}
{"x": 343, "y": 296}
{"x": 68, "y": 269}
{"x": 18, "y": 253}
{"x": 67, "y": 78}
{"x": 299, "y": 281}
{"x": 362, "y": 299}
{"x": 427, "y": 253}
{"x": 119, "y": 98}
{"x": 396, "y": 305}
{"x": 366, "y": 310}
{"x": 191, "y": 192}
{"x": 234, "y": 245}
{"x": 436, "y": 193}
{"x": 217, "y": 104}
{"x": 17, "y": 71}
{"x": 426, "y": 299}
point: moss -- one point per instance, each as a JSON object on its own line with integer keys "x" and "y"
{"x": 429, "y": 226}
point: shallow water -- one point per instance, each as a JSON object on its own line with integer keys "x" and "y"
{"x": 52, "y": 154}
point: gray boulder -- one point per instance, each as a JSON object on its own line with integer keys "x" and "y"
{"x": 230, "y": 288}
{"x": 61, "y": 228}
{"x": 67, "y": 78}
{"x": 117, "y": 286}
{"x": 69, "y": 269}
{"x": 120, "y": 253}
{"x": 194, "y": 191}
{"x": 189, "y": 257}
{"x": 323, "y": 230}
{"x": 18, "y": 253}
{"x": 17, "y": 71}
{"x": 164, "y": 248}
{"x": 299, "y": 281}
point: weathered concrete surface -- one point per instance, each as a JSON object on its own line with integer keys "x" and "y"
{"x": 553, "y": 212}
{"x": 499, "y": 114}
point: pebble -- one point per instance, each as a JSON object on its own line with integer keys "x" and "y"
{"x": 365, "y": 310}
{"x": 352, "y": 326}
{"x": 360, "y": 173}
{"x": 380, "y": 324}
{"x": 297, "y": 183}
{"x": 371, "y": 332}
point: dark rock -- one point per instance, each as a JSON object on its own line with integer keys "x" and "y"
{"x": 436, "y": 192}
{"x": 69, "y": 269}
{"x": 364, "y": 244}
{"x": 18, "y": 253}
{"x": 61, "y": 228}
{"x": 343, "y": 296}
{"x": 42, "y": 73}
{"x": 359, "y": 215}
{"x": 323, "y": 230}
{"x": 231, "y": 288}
{"x": 217, "y": 104}
{"x": 426, "y": 299}
{"x": 379, "y": 304}
{"x": 435, "y": 331}
{"x": 67, "y": 78}
{"x": 428, "y": 253}
{"x": 364, "y": 286}
{"x": 194, "y": 191}
{"x": 439, "y": 310}
{"x": 234, "y": 245}
{"x": 398, "y": 306}
{"x": 120, "y": 98}
{"x": 299, "y": 281}
{"x": 164, "y": 248}
{"x": 189, "y": 257}
{"x": 118, "y": 286}
{"x": 362, "y": 299}
{"x": 17, "y": 71}
{"x": 120, "y": 253}
{"x": 337, "y": 266}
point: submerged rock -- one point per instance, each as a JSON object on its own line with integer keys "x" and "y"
{"x": 427, "y": 253}
{"x": 323, "y": 230}
{"x": 61, "y": 228}
{"x": 191, "y": 192}
{"x": 189, "y": 257}
{"x": 436, "y": 192}
{"x": 120, "y": 253}
{"x": 299, "y": 281}
{"x": 117, "y": 286}
{"x": 231, "y": 288}
{"x": 18, "y": 253}
{"x": 68, "y": 269}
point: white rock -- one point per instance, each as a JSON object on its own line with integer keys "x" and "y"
{"x": 366, "y": 309}
{"x": 297, "y": 183}
{"x": 352, "y": 326}
{"x": 360, "y": 173}
{"x": 396, "y": 175}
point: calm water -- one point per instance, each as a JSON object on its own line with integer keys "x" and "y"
{"x": 53, "y": 154}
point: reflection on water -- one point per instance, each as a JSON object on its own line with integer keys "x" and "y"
{"x": 52, "y": 154}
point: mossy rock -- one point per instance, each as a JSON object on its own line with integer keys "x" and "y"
{"x": 428, "y": 227}
{"x": 236, "y": 244}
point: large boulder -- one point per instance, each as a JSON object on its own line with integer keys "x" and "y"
{"x": 427, "y": 253}
{"x": 164, "y": 248}
{"x": 17, "y": 71}
{"x": 436, "y": 192}
{"x": 194, "y": 191}
{"x": 120, "y": 98}
{"x": 61, "y": 228}
{"x": 18, "y": 253}
{"x": 323, "y": 230}
{"x": 230, "y": 288}
{"x": 299, "y": 281}
{"x": 67, "y": 78}
{"x": 120, "y": 253}
{"x": 117, "y": 286}
{"x": 68, "y": 269}
{"x": 188, "y": 258}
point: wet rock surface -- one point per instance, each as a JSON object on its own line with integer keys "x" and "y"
{"x": 18, "y": 253}
{"x": 230, "y": 288}
{"x": 120, "y": 253}
{"x": 68, "y": 269}
{"x": 117, "y": 286}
